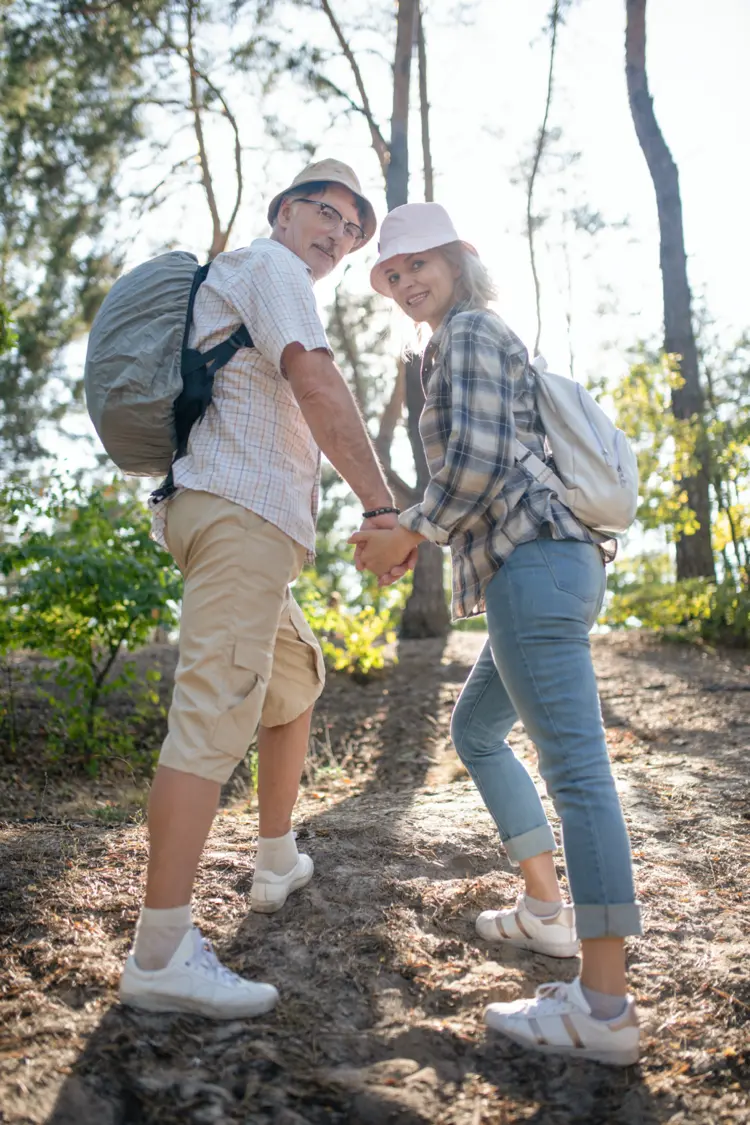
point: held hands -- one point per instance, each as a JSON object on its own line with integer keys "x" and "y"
{"x": 387, "y": 551}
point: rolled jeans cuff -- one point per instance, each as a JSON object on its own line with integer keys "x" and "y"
{"x": 529, "y": 844}
{"x": 614, "y": 920}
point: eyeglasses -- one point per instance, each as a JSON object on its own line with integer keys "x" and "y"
{"x": 331, "y": 219}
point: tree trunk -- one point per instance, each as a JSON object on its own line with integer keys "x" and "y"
{"x": 694, "y": 552}
{"x": 425, "y": 615}
{"x": 426, "y": 612}
{"x": 541, "y": 144}
{"x": 424, "y": 111}
{"x": 397, "y": 180}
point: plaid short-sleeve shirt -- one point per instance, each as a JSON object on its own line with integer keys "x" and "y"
{"x": 481, "y": 501}
{"x": 254, "y": 446}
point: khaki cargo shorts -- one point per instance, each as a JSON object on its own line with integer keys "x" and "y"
{"x": 247, "y": 655}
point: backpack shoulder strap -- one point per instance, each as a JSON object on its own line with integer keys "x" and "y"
{"x": 539, "y": 470}
{"x": 220, "y": 354}
{"x": 198, "y": 370}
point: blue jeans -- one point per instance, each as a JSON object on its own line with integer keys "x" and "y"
{"x": 537, "y": 666}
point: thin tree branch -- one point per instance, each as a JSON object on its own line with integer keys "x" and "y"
{"x": 323, "y": 82}
{"x": 538, "y": 153}
{"x": 379, "y": 142}
{"x": 350, "y": 351}
{"x": 404, "y": 493}
{"x": 198, "y": 123}
{"x": 391, "y": 417}
{"x": 145, "y": 196}
{"x": 237, "y": 149}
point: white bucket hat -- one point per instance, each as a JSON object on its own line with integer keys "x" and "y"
{"x": 409, "y": 229}
{"x": 332, "y": 172}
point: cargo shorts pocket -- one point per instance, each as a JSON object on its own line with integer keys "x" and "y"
{"x": 306, "y": 635}
{"x": 236, "y": 727}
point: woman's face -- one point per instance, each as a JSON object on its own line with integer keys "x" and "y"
{"x": 423, "y": 285}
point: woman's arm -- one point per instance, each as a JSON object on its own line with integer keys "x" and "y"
{"x": 475, "y": 409}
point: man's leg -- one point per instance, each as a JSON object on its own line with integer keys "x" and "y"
{"x": 181, "y": 810}
{"x": 236, "y": 569}
{"x": 281, "y": 759}
{"x": 296, "y": 682}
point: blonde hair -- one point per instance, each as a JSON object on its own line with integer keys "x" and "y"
{"x": 474, "y": 286}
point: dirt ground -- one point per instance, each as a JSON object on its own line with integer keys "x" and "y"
{"x": 382, "y": 977}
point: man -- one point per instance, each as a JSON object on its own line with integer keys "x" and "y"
{"x": 240, "y": 526}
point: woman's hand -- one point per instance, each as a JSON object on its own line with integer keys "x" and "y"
{"x": 388, "y": 554}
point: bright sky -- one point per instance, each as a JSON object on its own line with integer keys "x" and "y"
{"x": 487, "y": 86}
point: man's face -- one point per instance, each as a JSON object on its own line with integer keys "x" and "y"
{"x": 316, "y": 235}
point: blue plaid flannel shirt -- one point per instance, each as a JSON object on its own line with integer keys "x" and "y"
{"x": 479, "y": 397}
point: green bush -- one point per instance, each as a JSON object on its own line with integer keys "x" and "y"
{"x": 352, "y": 637}
{"x": 84, "y": 585}
{"x": 643, "y": 594}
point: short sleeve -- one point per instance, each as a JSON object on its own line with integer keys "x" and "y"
{"x": 274, "y": 297}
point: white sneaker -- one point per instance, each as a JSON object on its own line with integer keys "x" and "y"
{"x": 195, "y": 981}
{"x": 558, "y": 1021}
{"x": 269, "y": 892}
{"x": 555, "y": 936}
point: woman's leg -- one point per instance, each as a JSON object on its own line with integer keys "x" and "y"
{"x": 480, "y": 724}
{"x": 540, "y": 607}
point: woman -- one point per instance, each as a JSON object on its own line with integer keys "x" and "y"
{"x": 521, "y": 557}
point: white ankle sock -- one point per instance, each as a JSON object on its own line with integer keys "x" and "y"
{"x": 276, "y": 853}
{"x": 158, "y": 934}
{"x": 541, "y": 909}
{"x": 603, "y": 1005}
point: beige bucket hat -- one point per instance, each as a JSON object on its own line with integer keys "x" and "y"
{"x": 409, "y": 229}
{"x": 333, "y": 172}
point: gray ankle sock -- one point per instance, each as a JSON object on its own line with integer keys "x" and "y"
{"x": 603, "y": 1005}
{"x": 158, "y": 934}
{"x": 541, "y": 909}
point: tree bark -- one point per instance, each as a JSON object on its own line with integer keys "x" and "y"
{"x": 391, "y": 417}
{"x": 694, "y": 552}
{"x": 397, "y": 179}
{"x": 426, "y": 612}
{"x": 424, "y": 111}
{"x": 541, "y": 144}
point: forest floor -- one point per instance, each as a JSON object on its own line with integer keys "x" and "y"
{"x": 382, "y": 977}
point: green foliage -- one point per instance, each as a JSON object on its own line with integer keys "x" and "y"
{"x": 96, "y": 100}
{"x": 351, "y": 636}
{"x": 665, "y": 445}
{"x": 644, "y": 594}
{"x": 7, "y": 335}
{"x": 68, "y": 116}
{"x": 84, "y": 585}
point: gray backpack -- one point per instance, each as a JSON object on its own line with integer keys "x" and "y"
{"x": 145, "y": 388}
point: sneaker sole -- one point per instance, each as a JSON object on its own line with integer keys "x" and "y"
{"x": 627, "y": 1057}
{"x": 164, "y": 1005}
{"x": 561, "y": 952}
{"x": 270, "y": 906}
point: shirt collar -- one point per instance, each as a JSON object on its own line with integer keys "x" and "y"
{"x": 432, "y": 351}
{"x": 284, "y": 250}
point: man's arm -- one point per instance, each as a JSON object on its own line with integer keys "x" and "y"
{"x": 331, "y": 413}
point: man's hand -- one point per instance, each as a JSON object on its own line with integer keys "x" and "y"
{"x": 388, "y": 553}
{"x": 385, "y": 523}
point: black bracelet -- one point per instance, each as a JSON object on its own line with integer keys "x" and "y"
{"x": 380, "y": 512}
